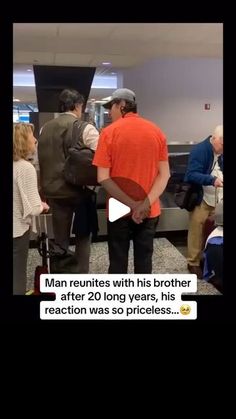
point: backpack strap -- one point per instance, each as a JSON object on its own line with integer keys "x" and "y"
{"x": 74, "y": 135}
{"x": 77, "y": 133}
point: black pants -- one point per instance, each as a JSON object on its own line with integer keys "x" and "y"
{"x": 62, "y": 215}
{"x": 119, "y": 234}
{"x": 20, "y": 255}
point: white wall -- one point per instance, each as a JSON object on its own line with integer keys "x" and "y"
{"x": 172, "y": 93}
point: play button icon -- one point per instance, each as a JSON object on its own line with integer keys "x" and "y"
{"x": 117, "y": 210}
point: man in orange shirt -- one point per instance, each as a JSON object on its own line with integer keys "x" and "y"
{"x": 132, "y": 161}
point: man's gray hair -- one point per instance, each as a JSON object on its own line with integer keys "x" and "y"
{"x": 218, "y": 132}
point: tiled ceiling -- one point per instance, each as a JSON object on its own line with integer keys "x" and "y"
{"x": 124, "y": 45}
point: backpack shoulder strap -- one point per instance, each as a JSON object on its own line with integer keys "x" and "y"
{"x": 74, "y": 134}
{"x": 77, "y": 133}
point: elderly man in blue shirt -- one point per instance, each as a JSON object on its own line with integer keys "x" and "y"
{"x": 205, "y": 169}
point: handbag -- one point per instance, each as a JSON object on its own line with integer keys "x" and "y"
{"x": 78, "y": 168}
{"x": 187, "y": 196}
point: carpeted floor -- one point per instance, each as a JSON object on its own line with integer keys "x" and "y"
{"x": 166, "y": 259}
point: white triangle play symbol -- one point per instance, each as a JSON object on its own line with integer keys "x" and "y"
{"x": 116, "y": 209}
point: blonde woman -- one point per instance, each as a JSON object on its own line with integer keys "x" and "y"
{"x": 26, "y": 201}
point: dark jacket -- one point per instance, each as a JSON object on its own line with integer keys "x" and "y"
{"x": 54, "y": 141}
{"x": 200, "y": 165}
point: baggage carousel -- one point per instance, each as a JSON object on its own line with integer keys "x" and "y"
{"x": 172, "y": 217}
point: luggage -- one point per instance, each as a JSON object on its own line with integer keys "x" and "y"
{"x": 213, "y": 271}
{"x": 43, "y": 248}
{"x": 55, "y": 259}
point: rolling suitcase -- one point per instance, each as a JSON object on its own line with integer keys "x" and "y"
{"x": 43, "y": 248}
{"x": 55, "y": 259}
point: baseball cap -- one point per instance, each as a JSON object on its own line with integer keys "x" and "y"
{"x": 125, "y": 94}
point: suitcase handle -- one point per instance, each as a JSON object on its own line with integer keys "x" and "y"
{"x": 43, "y": 238}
